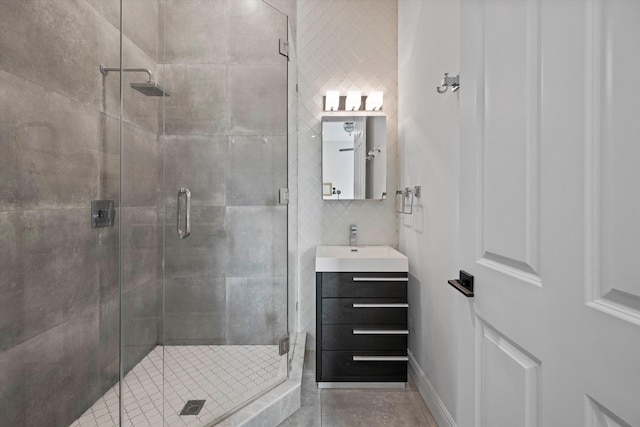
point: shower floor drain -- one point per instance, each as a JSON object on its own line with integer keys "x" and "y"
{"x": 192, "y": 407}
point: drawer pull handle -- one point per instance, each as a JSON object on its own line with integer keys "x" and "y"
{"x": 379, "y": 332}
{"x": 388, "y": 305}
{"x": 380, "y": 279}
{"x": 380, "y": 358}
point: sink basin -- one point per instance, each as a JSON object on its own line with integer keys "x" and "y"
{"x": 359, "y": 258}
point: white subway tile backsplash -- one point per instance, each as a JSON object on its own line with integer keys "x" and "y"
{"x": 341, "y": 45}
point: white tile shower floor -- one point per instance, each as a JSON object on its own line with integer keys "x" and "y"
{"x": 225, "y": 376}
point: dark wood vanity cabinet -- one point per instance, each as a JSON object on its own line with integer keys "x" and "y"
{"x": 361, "y": 328}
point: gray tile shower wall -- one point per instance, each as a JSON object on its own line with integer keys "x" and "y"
{"x": 59, "y": 149}
{"x": 342, "y": 45}
{"x": 225, "y": 138}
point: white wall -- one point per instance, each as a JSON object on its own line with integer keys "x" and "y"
{"x": 342, "y": 44}
{"x": 428, "y": 126}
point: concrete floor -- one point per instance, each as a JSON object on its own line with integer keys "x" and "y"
{"x": 357, "y": 407}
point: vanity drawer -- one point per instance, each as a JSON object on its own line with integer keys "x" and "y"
{"x": 341, "y": 366}
{"x": 364, "y": 337}
{"x": 364, "y": 285}
{"x": 364, "y": 311}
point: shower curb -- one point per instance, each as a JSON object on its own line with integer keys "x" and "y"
{"x": 278, "y": 404}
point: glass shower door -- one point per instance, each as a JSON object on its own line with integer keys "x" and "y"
{"x": 128, "y": 102}
{"x": 139, "y": 102}
{"x": 224, "y": 139}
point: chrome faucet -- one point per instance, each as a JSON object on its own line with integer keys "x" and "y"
{"x": 353, "y": 235}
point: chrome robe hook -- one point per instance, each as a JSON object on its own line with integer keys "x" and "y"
{"x": 453, "y": 82}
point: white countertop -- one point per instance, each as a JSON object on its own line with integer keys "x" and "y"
{"x": 360, "y": 258}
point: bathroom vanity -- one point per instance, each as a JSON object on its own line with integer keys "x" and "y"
{"x": 361, "y": 301}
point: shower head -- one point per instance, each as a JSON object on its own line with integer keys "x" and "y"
{"x": 150, "y": 88}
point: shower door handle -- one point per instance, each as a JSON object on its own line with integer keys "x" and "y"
{"x": 183, "y": 234}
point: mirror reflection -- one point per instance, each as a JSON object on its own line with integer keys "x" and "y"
{"x": 354, "y": 157}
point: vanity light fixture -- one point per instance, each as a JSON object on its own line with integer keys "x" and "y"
{"x": 332, "y": 100}
{"x": 374, "y": 101}
{"x": 354, "y": 100}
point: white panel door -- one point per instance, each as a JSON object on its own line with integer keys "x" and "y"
{"x": 550, "y": 209}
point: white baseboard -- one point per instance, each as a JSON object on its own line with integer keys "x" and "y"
{"x": 428, "y": 393}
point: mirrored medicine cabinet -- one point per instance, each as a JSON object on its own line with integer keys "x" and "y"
{"x": 354, "y": 157}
